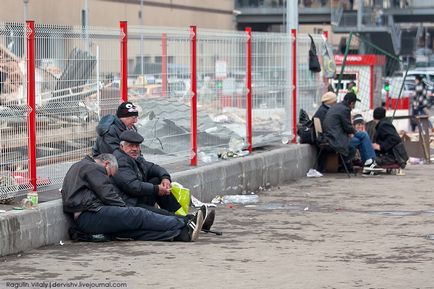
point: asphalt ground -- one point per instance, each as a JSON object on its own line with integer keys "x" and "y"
{"x": 329, "y": 232}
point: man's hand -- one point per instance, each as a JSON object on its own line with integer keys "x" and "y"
{"x": 166, "y": 184}
{"x": 376, "y": 147}
{"x": 164, "y": 188}
{"x": 163, "y": 191}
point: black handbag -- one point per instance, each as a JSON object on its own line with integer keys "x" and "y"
{"x": 314, "y": 65}
{"x": 400, "y": 154}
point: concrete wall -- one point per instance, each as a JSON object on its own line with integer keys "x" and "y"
{"x": 108, "y": 13}
{"x": 46, "y": 224}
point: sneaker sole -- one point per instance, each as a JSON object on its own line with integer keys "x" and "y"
{"x": 198, "y": 227}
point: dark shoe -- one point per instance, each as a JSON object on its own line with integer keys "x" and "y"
{"x": 209, "y": 219}
{"x": 195, "y": 226}
{"x": 371, "y": 167}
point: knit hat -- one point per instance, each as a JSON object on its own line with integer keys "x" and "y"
{"x": 358, "y": 118}
{"x": 379, "y": 113}
{"x": 127, "y": 109}
{"x": 328, "y": 98}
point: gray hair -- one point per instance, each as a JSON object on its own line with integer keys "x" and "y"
{"x": 108, "y": 158}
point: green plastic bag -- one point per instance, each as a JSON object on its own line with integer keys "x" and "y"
{"x": 182, "y": 195}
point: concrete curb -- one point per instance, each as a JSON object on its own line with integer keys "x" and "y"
{"x": 47, "y": 224}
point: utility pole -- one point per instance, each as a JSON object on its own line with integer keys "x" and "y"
{"x": 86, "y": 25}
{"x": 141, "y": 37}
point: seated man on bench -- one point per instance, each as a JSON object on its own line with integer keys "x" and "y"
{"x": 388, "y": 145}
{"x": 343, "y": 137}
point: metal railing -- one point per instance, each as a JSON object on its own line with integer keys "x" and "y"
{"x": 228, "y": 93}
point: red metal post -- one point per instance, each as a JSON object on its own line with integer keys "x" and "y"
{"x": 31, "y": 102}
{"x": 164, "y": 64}
{"x": 124, "y": 61}
{"x": 294, "y": 84}
{"x": 371, "y": 86}
{"x": 193, "y": 55}
{"x": 249, "y": 88}
{"x": 326, "y": 35}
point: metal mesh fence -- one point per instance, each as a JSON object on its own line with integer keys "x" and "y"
{"x": 76, "y": 72}
{"x": 78, "y": 81}
{"x": 310, "y": 86}
{"x": 221, "y": 86}
{"x": 159, "y": 83}
{"x": 371, "y": 71}
{"x": 13, "y": 112}
{"x": 270, "y": 86}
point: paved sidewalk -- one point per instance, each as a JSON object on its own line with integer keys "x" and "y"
{"x": 330, "y": 232}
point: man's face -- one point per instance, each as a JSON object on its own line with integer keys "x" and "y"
{"x": 129, "y": 121}
{"x": 131, "y": 149}
{"x": 352, "y": 105}
{"x": 360, "y": 126}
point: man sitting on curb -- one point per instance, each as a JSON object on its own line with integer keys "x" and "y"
{"x": 94, "y": 202}
{"x": 143, "y": 183}
{"x": 110, "y": 128}
{"x": 388, "y": 144}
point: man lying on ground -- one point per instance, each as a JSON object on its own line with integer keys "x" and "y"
{"x": 95, "y": 204}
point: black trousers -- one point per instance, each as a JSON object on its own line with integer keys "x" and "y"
{"x": 132, "y": 222}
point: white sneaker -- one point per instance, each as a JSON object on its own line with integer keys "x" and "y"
{"x": 370, "y": 167}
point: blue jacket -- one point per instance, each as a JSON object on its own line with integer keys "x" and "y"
{"x": 108, "y": 132}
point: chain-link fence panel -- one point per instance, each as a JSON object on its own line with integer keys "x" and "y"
{"x": 270, "y": 87}
{"x": 379, "y": 77}
{"x": 159, "y": 83}
{"x": 310, "y": 85}
{"x": 14, "y": 180}
{"x": 76, "y": 71}
{"x": 221, "y": 86}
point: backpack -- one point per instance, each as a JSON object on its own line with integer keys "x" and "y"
{"x": 314, "y": 65}
{"x": 305, "y": 128}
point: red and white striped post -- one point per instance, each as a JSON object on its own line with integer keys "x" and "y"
{"x": 164, "y": 64}
{"x": 193, "y": 55}
{"x": 294, "y": 84}
{"x": 124, "y": 61}
{"x": 249, "y": 88}
{"x": 31, "y": 102}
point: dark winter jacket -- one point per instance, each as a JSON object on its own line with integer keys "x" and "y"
{"x": 108, "y": 132}
{"x": 321, "y": 113}
{"x": 337, "y": 126}
{"x": 87, "y": 187}
{"x": 386, "y": 136}
{"x": 133, "y": 177}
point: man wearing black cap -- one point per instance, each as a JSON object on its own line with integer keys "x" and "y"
{"x": 339, "y": 133}
{"x": 110, "y": 128}
{"x": 144, "y": 183}
{"x": 96, "y": 207}
{"x": 388, "y": 144}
